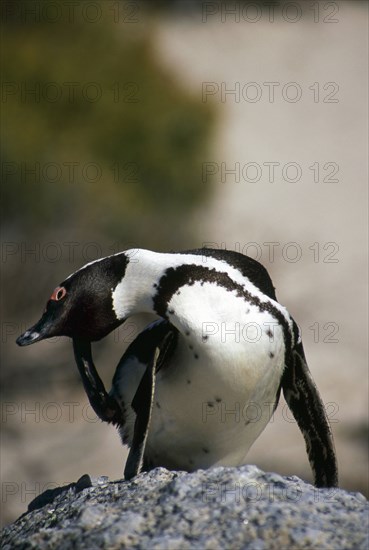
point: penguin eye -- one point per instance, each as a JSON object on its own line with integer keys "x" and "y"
{"x": 58, "y": 294}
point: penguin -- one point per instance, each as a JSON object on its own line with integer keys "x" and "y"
{"x": 197, "y": 386}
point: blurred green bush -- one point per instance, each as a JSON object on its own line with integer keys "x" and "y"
{"x": 99, "y": 138}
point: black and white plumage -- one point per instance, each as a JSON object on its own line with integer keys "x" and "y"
{"x": 197, "y": 387}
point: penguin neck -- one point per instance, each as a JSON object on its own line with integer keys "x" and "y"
{"x": 135, "y": 293}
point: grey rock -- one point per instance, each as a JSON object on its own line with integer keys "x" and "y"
{"x": 231, "y": 508}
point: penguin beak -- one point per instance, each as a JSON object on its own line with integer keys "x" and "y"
{"x": 39, "y": 331}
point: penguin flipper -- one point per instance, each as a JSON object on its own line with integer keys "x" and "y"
{"x": 142, "y": 405}
{"x": 303, "y": 399}
{"x": 155, "y": 345}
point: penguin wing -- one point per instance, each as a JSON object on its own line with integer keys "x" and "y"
{"x": 303, "y": 399}
{"x": 153, "y": 347}
{"x": 142, "y": 405}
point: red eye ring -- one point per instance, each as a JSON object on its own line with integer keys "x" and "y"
{"x": 58, "y": 294}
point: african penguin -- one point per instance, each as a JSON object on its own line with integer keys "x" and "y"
{"x": 198, "y": 386}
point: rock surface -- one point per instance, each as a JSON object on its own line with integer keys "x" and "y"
{"x": 220, "y": 508}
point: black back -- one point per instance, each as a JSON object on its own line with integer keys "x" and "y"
{"x": 247, "y": 266}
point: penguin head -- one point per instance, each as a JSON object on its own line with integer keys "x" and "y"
{"x": 81, "y": 306}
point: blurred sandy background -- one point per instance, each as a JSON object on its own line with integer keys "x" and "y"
{"x": 317, "y": 224}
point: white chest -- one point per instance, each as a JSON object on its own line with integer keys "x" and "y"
{"x": 218, "y": 392}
